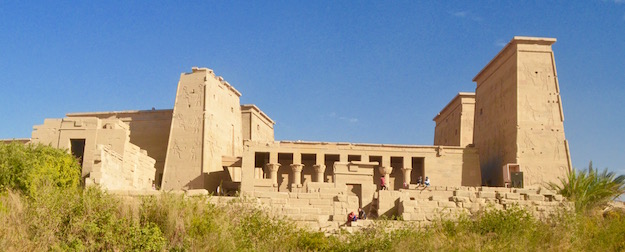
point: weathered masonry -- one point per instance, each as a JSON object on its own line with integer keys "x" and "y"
{"x": 510, "y": 128}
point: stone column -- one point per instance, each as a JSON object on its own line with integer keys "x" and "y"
{"x": 319, "y": 170}
{"x": 406, "y": 172}
{"x": 258, "y": 173}
{"x": 297, "y": 174}
{"x": 386, "y": 172}
{"x": 407, "y": 169}
{"x": 273, "y": 172}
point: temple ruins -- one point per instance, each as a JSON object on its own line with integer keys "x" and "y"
{"x": 501, "y": 142}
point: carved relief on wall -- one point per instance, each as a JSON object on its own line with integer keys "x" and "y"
{"x": 188, "y": 123}
{"x": 533, "y": 175}
{"x": 192, "y": 96}
{"x": 528, "y": 143}
{"x": 186, "y": 150}
{"x": 538, "y": 74}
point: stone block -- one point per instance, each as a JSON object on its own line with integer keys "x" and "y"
{"x": 487, "y": 194}
{"x": 447, "y": 204}
{"x": 460, "y": 199}
{"x": 326, "y": 196}
{"x": 417, "y": 216}
{"x": 462, "y": 193}
{"x": 488, "y": 189}
{"x": 323, "y": 202}
{"x": 309, "y": 210}
{"x": 525, "y": 191}
{"x": 352, "y": 200}
{"x": 472, "y": 207}
{"x": 299, "y": 202}
{"x": 340, "y": 198}
{"x": 427, "y": 204}
{"x": 535, "y": 197}
{"x": 432, "y": 216}
{"x": 308, "y": 196}
{"x": 326, "y": 210}
{"x": 290, "y": 210}
{"x": 438, "y": 198}
{"x": 512, "y": 196}
{"x": 271, "y": 195}
{"x": 339, "y": 217}
{"x": 558, "y": 197}
{"x": 278, "y": 201}
{"x": 333, "y": 191}
{"x": 547, "y": 192}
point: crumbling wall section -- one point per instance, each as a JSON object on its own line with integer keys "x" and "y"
{"x": 132, "y": 170}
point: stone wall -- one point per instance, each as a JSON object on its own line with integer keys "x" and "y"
{"x": 149, "y": 129}
{"x": 321, "y": 206}
{"x": 108, "y": 157}
{"x": 257, "y": 126}
{"x": 518, "y": 114}
{"x": 325, "y": 207}
{"x": 454, "y": 124}
{"x": 426, "y": 205}
{"x": 206, "y": 125}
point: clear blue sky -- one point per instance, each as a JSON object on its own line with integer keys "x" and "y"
{"x": 352, "y": 71}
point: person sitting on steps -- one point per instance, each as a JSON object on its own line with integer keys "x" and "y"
{"x": 383, "y": 183}
{"x": 352, "y": 217}
{"x": 361, "y": 214}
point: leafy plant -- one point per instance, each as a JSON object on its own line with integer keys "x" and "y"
{"x": 590, "y": 188}
{"x": 28, "y": 167}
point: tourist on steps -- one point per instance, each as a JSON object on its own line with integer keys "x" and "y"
{"x": 352, "y": 217}
{"x": 383, "y": 183}
{"x": 427, "y": 181}
{"x": 361, "y": 214}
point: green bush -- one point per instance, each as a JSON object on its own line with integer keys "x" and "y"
{"x": 503, "y": 222}
{"x": 28, "y": 167}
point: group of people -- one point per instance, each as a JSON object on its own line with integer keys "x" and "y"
{"x": 425, "y": 183}
{"x": 420, "y": 182}
{"x": 353, "y": 217}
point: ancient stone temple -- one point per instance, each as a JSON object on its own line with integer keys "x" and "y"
{"x": 510, "y": 129}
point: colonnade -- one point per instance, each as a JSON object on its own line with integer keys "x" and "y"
{"x": 272, "y": 167}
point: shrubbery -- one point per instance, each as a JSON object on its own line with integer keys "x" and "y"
{"x": 28, "y": 167}
{"x": 49, "y": 213}
{"x": 590, "y": 188}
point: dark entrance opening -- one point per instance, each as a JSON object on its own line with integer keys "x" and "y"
{"x": 78, "y": 149}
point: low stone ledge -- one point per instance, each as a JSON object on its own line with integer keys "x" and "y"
{"x": 487, "y": 194}
{"x": 309, "y": 210}
{"x": 324, "y": 202}
{"x": 308, "y": 196}
{"x": 196, "y": 192}
{"x": 447, "y": 204}
{"x": 460, "y": 193}
{"x": 535, "y": 197}
{"x": 512, "y": 196}
{"x": 271, "y": 195}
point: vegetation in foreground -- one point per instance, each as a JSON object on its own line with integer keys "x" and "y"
{"x": 55, "y": 216}
{"x": 590, "y": 189}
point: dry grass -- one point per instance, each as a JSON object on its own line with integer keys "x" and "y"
{"x": 92, "y": 220}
